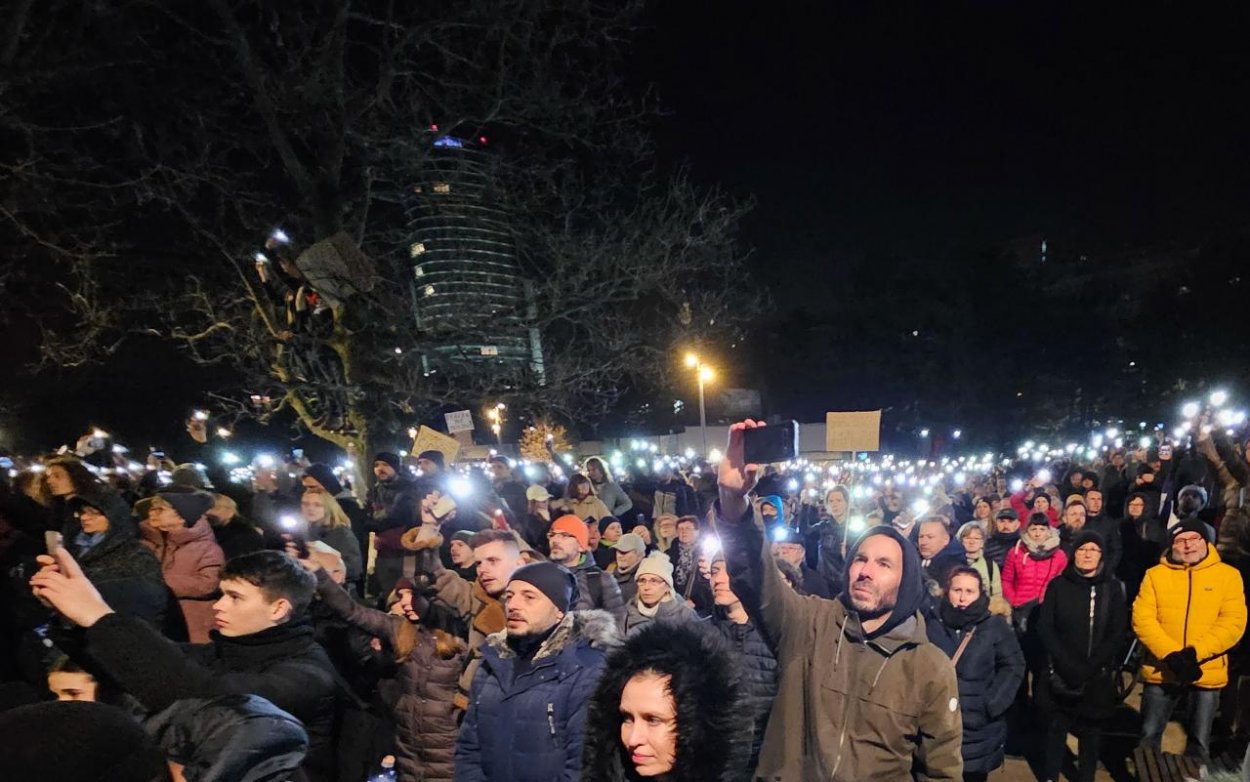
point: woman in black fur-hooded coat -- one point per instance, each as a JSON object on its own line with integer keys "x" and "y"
{"x": 713, "y": 724}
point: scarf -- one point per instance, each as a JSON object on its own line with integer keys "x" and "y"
{"x": 655, "y": 609}
{"x": 961, "y": 618}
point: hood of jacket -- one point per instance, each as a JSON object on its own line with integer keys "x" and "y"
{"x": 911, "y": 589}
{"x": 119, "y": 553}
{"x": 714, "y": 724}
{"x": 597, "y": 628}
{"x": 236, "y": 737}
{"x": 1046, "y": 548}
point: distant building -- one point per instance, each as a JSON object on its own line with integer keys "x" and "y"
{"x": 470, "y": 298}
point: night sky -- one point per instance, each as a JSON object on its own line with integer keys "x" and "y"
{"x": 921, "y": 128}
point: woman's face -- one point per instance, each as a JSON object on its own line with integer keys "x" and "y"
{"x": 649, "y": 724}
{"x": 595, "y": 472}
{"x": 1088, "y": 557}
{"x": 687, "y": 533}
{"x": 1037, "y": 533}
{"x": 983, "y": 510}
{"x": 1136, "y": 507}
{"x": 973, "y": 541}
{"x": 59, "y": 484}
{"x": 312, "y": 509}
{"x": 92, "y": 520}
{"x": 613, "y": 532}
{"x": 75, "y": 686}
{"x": 651, "y": 589}
{"x": 964, "y": 591}
{"x": 1041, "y": 504}
{"x": 668, "y": 528}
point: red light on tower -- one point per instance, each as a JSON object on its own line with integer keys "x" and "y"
{"x": 481, "y": 140}
{"x": 434, "y": 128}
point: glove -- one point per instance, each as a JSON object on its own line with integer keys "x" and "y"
{"x": 1184, "y": 665}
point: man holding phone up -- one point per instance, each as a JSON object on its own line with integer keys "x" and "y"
{"x": 862, "y": 694}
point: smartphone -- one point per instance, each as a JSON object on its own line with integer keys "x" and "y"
{"x": 52, "y": 542}
{"x": 772, "y": 443}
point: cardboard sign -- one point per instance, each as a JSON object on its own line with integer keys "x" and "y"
{"x": 428, "y": 439}
{"x": 459, "y": 421}
{"x": 853, "y": 431}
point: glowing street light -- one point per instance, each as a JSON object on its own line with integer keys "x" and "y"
{"x": 705, "y": 374}
{"x": 496, "y": 416}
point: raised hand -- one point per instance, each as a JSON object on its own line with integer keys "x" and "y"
{"x": 735, "y": 478}
{"x": 61, "y": 583}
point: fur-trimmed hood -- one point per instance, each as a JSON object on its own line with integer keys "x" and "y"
{"x": 596, "y": 627}
{"x": 1044, "y": 549}
{"x": 714, "y": 722}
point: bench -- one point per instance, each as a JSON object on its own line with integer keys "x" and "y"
{"x": 1155, "y": 766}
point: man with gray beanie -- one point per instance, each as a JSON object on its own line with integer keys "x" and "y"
{"x": 535, "y": 680}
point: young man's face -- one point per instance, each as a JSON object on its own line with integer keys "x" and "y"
{"x": 383, "y": 471}
{"x": 1093, "y": 500}
{"x": 461, "y": 554}
{"x": 72, "y": 686}
{"x": 722, "y": 595}
{"x": 835, "y": 503}
{"x": 428, "y": 467}
{"x": 1074, "y": 516}
{"x": 496, "y": 561}
{"x": 243, "y": 609}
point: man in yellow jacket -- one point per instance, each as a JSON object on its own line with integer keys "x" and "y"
{"x": 1190, "y": 611}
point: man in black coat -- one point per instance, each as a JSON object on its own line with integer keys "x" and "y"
{"x": 1004, "y": 537}
{"x": 262, "y": 645}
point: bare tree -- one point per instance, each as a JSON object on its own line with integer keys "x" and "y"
{"x": 150, "y": 149}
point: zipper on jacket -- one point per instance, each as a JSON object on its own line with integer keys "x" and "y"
{"x": 551, "y": 718}
{"x": 1093, "y": 595}
{"x": 1189, "y": 599}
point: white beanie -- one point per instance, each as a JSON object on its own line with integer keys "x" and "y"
{"x": 656, "y": 564}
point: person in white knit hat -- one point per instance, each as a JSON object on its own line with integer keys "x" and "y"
{"x": 654, "y": 600}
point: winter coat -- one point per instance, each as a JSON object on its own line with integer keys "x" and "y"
{"x": 676, "y": 498}
{"x": 282, "y": 664}
{"x": 344, "y": 542}
{"x": 759, "y": 676}
{"x": 614, "y": 498}
{"x": 596, "y": 589}
{"x": 237, "y": 538}
{"x": 625, "y": 582}
{"x": 123, "y": 569}
{"x": 190, "y": 563}
{"x": 530, "y": 728}
{"x": 831, "y": 556}
{"x": 670, "y": 609}
{"x": 589, "y": 507}
{"x": 480, "y": 613}
{"x": 1201, "y": 606}
{"x": 1030, "y": 567}
{"x": 998, "y": 545}
{"x": 712, "y": 723}
{"x": 848, "y": 707}
{"x": 1078, "y": 656}
{"x": 1021, "y": 503}
{"x": 989, "y": 673}
{"x": 394, "y": 510}
{"x": 424, "y": 713}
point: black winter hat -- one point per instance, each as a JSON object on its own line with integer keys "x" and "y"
{"x": 1088, "y": 536}
{"x": 388, "y": 457}
{"x": 70, "y": 741}
{"x": 554, "y": 581}
{"x": 1191, "y": 524}
{"x": 606, "y": 522}
{"x": 190, "y": 505}
{"x": 324, "y": 474}
{"x": 434, "y": 456}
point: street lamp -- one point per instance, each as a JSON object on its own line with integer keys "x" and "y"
{"x": 704, "y": 373}
{"x": 495, "y": 414}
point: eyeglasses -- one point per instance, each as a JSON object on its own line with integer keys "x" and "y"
{"x": 554, "y": 535}
{"x": 647, "y": 581}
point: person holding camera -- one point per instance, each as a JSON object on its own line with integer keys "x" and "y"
{"x": 1082, "y": 625}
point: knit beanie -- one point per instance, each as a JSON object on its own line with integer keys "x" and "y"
{"x": 464, "y": 536}
{"x": 631, "y": 542}
{"x": 324, "y": 474}
{"x": 656, "y": 563}
{"x": 388, "y": 457}
{"x": 606, "y": 522}
{"x": 572, "y": 525}
{"x": 1191, "y": 524}
{"x": 190, "y": 505}
{"x": 434, "y": 456}
{"x": 188, "y": 475}
{"x": 556, "y": 582}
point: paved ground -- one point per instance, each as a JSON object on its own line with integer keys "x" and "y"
{"x": 1120, "y": 743}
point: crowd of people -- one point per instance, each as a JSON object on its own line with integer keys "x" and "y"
{"x": 724, "y": 621}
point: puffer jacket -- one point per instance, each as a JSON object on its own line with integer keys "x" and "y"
{"x": 759, "y": 675}
{"x": 1203, "y": 606}
{"x": 424, "y": 712}
{"x": 191, "y": 563}
{"x": 596, "y": 589}
{"x": 989, "y": 673}
{"x": 529, "y": 728}
{"x": 1030, "y": 567}
{"x": 670, "y": 609}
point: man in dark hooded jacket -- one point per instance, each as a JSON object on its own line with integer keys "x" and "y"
{"x": 863, "y": 693}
